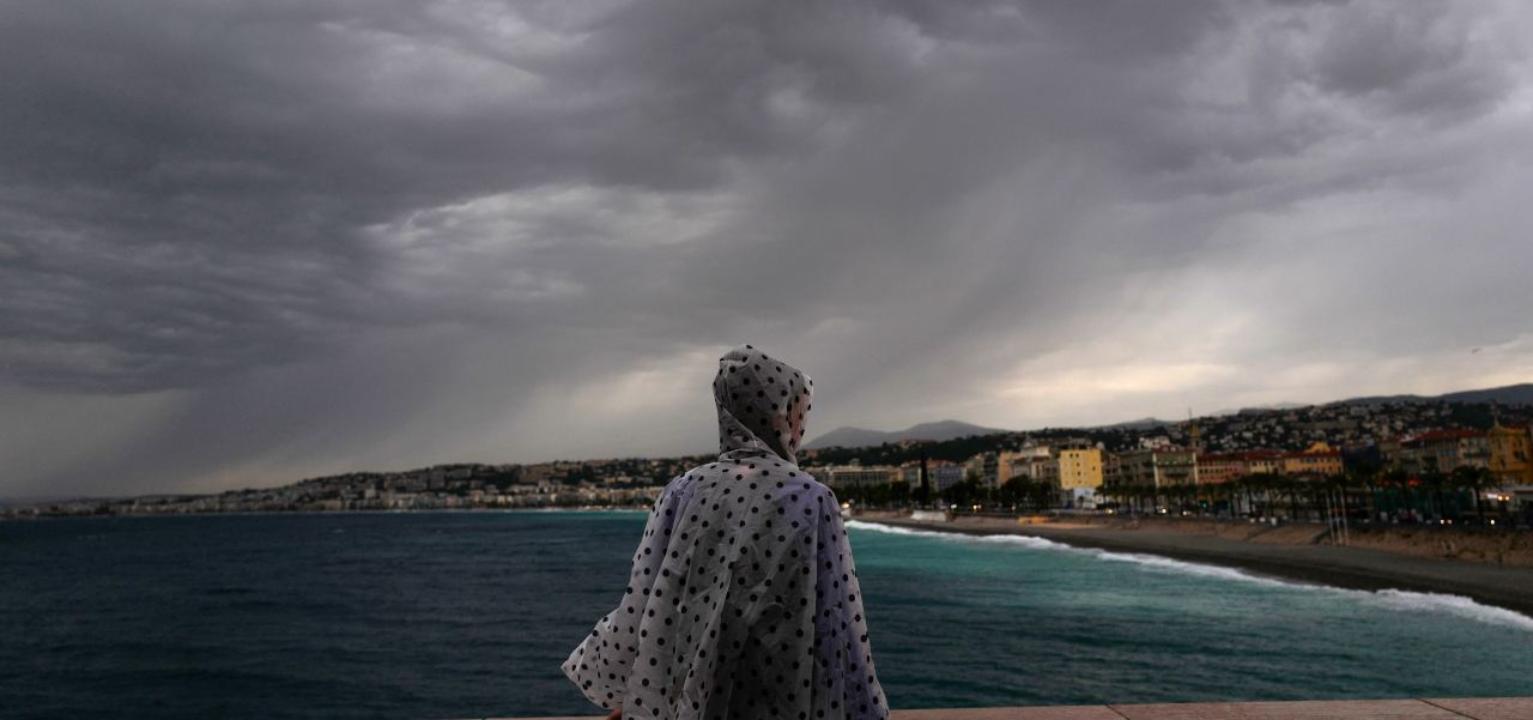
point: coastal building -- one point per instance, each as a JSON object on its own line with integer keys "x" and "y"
{"x": 837, "y": 476}
{"x": 945, "y": 474}
{"x": 1440, "y": 451}
{"x": 1112, "y": 470}
{"x": 1039, "y": 463}
{"x": 1263, "y": 462}
{"x": 1511, "y": 454}
{"x": 1219, "y": 468}
{"x": 1021, "y": 467}
{"x": 1176, "y": 467}
{"x": 910, "y": 473}
{"x": 1078, "y": 498}
{"x": 1009, "y": 464}
{"x": 1160, "y": 467}
{"x": 1318, "y": 460}
{"x": 1080, "y": 468}
{"x": 1135, "y": 468}
{"x": 979, "y": 467}
{"x": 1043, "y": 469}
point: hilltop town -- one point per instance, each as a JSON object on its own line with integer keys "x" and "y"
{"x": 1194, "y": 464}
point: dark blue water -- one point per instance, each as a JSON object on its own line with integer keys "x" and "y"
{"x": 457, "y": 615}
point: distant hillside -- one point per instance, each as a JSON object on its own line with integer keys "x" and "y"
{"x": 1148, "y": 423}
{"x": 854, "y": 437}
{"x": 1508, "y": 395}
{"x": 1258, "y": 408}
{"x": 24, "y": 501}
{"x": 862, "y": 437}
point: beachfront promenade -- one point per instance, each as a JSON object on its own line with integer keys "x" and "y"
{"x": 1423, "y": 709}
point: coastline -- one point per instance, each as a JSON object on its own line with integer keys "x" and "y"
{"x": 1355, "y": 568}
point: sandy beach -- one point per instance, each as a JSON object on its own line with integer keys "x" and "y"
{"x": 1288, "y": 557}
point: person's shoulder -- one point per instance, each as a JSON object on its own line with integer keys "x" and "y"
{"x": 682, "y": 484}
{"x": 823, "y": 490}
{"x": 817, "y": 487}
{"x": 800, "y": 487}
{"x": 690, "y": 477}
{"x": 775, "y": 477}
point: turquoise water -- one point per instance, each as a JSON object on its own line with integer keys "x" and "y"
{"x": 1010, "y": 620}
{"x": 441, "y": 615}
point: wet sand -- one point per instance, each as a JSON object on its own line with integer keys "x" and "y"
{"x": 1348, "y": 567}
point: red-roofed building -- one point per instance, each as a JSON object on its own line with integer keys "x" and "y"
{"x": 1443, "y": 450}
{"x": 1219, "y": 468}
{"x": 1215, "y": 468}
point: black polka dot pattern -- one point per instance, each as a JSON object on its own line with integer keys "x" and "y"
{"x": 743, "y": 602}
{"x": 762, "y": 403}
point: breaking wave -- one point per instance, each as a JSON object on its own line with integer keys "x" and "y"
{"x": 1452, "y": 604}
{"x": 1392, "y": 599}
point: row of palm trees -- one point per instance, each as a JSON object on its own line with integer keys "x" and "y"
{"x": 1017, "y": 494}
{"x": 1356, "y": 493}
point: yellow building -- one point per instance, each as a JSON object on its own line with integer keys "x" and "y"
{"x": 1264, "y": 462}
{"x": 1080, "y": 468}
{"x": 1318, "y": 459}
{"x": 1511, "y": 455}
{"x": 1006, "y": 466}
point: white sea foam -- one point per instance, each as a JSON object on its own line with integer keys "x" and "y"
{"x": 1451, "y": 604}
{"x": 1158, "y": 562}
{"x": 894, "y": 530}
{"x": 1398, "y": 600}
{"x": 1022, "y": 540}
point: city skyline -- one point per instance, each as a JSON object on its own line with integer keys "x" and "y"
{"x": 255, "y": 241}
{"x": 1363, "y": 426}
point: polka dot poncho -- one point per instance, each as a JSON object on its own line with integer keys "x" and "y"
{"x": 743, "y": 601}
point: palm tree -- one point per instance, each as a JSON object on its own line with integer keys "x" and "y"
{"x": 1435, "y": 481}
{"x": 1334, "y": 487}
{"x": 1244, "y": 485}
{"x": 1012, "y": 492}
{"x": 1363, "y": 480}
{"x": 1397, "y": 478}
{"x": 1248, "y": 487}
{"x": 1145, "y": 492}
{"x": 1475, "y": 480}
{"x": 1187, "y": 494}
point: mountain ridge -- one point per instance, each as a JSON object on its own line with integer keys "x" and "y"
{"x": 850, "y": 436}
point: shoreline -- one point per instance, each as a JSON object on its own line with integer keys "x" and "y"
{"x": 1345, "y": 567}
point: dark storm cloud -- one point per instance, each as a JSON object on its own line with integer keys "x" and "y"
{"x": 275, "y": 238}
{"x": 199, "y": 173}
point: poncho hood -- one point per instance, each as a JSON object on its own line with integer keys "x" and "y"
{"x": 762, "y": 403}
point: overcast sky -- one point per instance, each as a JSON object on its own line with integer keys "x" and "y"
{"x": 243, "y": 243}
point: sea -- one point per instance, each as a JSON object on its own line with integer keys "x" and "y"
{"x": 469, "y": 615}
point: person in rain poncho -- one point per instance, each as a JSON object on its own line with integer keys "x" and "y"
{"x": 743, "y": 601}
